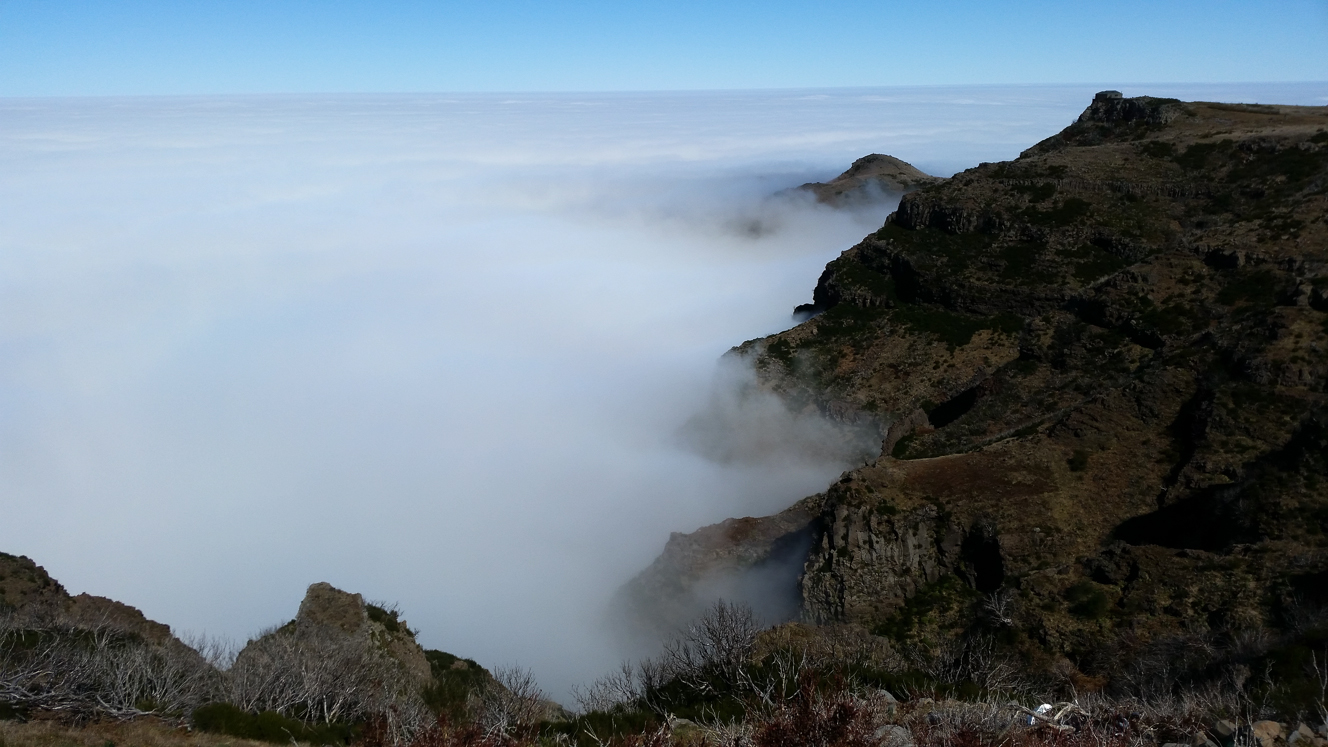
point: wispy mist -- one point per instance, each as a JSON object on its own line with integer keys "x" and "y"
{"x": 437, "y": 350}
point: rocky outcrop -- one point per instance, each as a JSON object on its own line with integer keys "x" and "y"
{"x": 340, "y": 661}
{"x": 336, "y": 620}
{"x": 1111, "y": 108}
{"x": 870, "y": 179}
{"x": 29, "y": 592}
{"x": 346, "y": 659}
{"x": 325, "y": 606}
{"x": 1112, "y": 117}
{"x": 753, "y": 560}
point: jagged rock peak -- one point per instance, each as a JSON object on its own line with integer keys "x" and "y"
{"x": 326, "y": 605}
{"x": 330, "y": 619}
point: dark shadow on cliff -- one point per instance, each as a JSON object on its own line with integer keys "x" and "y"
{"x": 1215, "y": 518}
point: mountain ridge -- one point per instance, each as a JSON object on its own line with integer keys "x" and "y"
{"x": 1103, "y": 366}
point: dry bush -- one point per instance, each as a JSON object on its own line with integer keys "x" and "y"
{"x": 512, "y": 709}
{"x": 379, "y": 733}
{"x": 714, "y": 649}
{"x": 818, "y": 716}
{"x": 712, "y": 655}
{"x": 623, "y": 687}
{"x": 53, "y": 666}
{"x": 319, "y": 675}
{"x": 728, "y": 734}
{"x": 1000, "y": 607}
{"x": 975, "y": 659}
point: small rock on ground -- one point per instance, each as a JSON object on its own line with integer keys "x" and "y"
{"x": 894, "y": 735}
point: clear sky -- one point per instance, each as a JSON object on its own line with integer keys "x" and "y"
{"x": 77, "y": 47}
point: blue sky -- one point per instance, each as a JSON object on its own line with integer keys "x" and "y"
{"x": 275, "y": 46}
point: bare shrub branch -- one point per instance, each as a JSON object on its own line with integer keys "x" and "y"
{"x": 514, "y": 706}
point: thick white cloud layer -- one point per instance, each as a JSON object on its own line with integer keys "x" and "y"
{"x": 433, "y": 349}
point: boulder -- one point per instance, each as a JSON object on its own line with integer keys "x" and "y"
{"x": 1268, "y": 733}
{"x": 894, "y": 735}
{"x": 1301, "y": 732}
{"x": 1225, "y": 731}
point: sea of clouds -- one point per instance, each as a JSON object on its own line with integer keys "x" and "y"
{"x": 434, "y": 349}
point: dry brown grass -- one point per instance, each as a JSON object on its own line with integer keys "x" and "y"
{"x": 137, "y": 733}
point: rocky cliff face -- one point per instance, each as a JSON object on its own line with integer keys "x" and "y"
{"x": 1105, "y": 367}
{"x": 756, "y": 561}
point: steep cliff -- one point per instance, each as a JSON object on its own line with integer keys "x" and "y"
{"x": 1104, "y": 365}
{"x": 756, "y": 561}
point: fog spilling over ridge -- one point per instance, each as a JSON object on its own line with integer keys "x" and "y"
{"x": 456, "y": 352}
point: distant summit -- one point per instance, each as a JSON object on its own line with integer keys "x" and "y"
{"x": 868, "y": 179}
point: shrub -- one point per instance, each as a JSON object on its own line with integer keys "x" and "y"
{"x": 387, "y": 616}
{"x": 1196, "y": 156}
{"x": 1087, "y": 600}
{"x": 602, "y": 727}
{"x": 1157, "y": 149}
{"x": 455, "y": 681}
{"x": 818, "y": 717}
{"x": 268, "y": 726}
